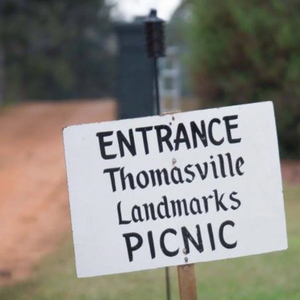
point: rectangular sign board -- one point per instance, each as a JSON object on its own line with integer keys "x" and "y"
{"x": 168, "y": 190}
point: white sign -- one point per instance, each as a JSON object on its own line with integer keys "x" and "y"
{"x": 175, "y": 189}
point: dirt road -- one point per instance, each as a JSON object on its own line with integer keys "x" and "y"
{"x": 34, "y": 211}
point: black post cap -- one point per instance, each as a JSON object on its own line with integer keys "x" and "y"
{"x": 155, "y": 35}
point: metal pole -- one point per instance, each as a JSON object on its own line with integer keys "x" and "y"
{"x": 168, "y": 284}
{"x": 155, "y": 41}
{"x": 158, "y": 112}
{"x": 156, "y": 87}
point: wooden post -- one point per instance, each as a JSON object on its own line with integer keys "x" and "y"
{"x": 187, "y": 282}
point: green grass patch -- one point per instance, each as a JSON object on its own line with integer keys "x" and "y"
{"x": 271, "y": 276}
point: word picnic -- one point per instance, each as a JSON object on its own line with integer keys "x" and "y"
{"x": 134, "y": 241}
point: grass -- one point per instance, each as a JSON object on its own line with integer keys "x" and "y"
{"x": 271, "y": 276}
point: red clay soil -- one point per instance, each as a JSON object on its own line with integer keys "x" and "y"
{"x": 34, "y": 208}
{"x": 290, "y": 170}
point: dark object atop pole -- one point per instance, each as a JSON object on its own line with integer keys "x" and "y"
{"x": 155, "y": 35}
{"x": 155, "y": 42}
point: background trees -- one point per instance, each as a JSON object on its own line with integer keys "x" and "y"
{"x": 247, "y": 51}
{"x": 55, "y": 49}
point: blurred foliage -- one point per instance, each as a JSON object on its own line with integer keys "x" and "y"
{"x": 55, "y": 49}
{"x": 176, "y": 36}
{"x": 248, "y": 51}
{"x": 176, "y": 27}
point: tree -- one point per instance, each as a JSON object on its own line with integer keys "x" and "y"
{"x": 56, "y": 49}
{"x": 247, "y": 51}
{"x": 176, "y": 30}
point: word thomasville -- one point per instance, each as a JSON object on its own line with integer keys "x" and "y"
{"x": 171, "y": 138}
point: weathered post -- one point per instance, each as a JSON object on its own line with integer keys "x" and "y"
{"x": 135, "y": 73}
{"x": 187, "y": 282}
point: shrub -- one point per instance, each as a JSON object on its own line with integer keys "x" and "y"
{"x": 248, "y": 51}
